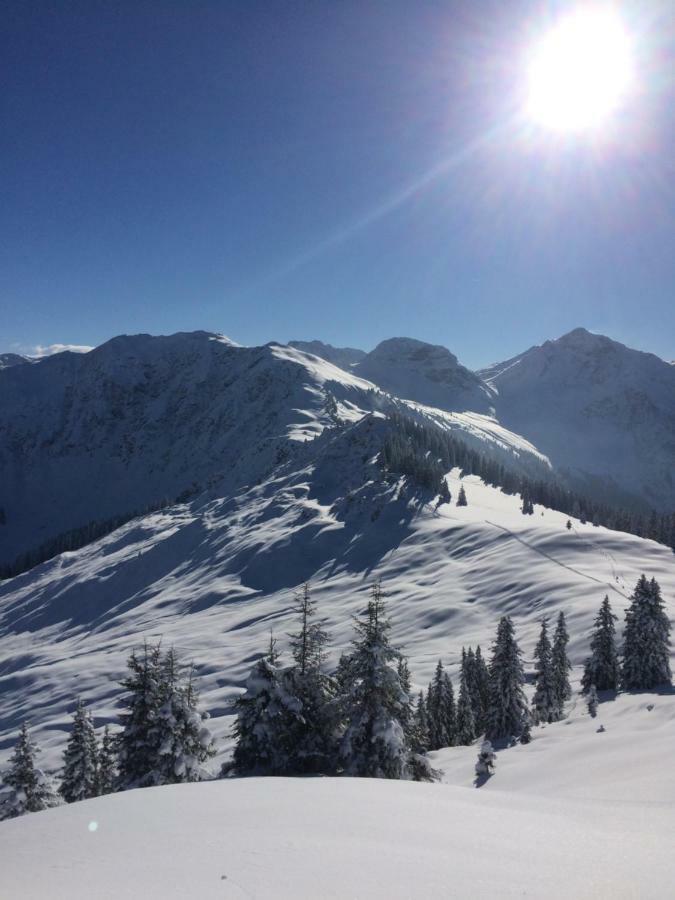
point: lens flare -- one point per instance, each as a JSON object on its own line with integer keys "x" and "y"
{"x": 581, "y": 71}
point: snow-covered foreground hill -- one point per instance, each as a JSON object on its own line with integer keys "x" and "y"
{"x": 213, "y": 577}
{"x": 337, "y": 838}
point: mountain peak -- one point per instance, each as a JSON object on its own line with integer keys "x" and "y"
{"x": 343, "y": 357}
{"x": 427, "y": 373}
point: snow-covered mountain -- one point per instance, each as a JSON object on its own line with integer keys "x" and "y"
{"x": 212, "y": 576}
{"x": 344, "y": 357}
{"x": 426, "y": 373}
{"x": 13, "y": 359}
{"x": 279, "y": 453}
{"x": 597, "y": 408}
{"x": 141, "y": 420}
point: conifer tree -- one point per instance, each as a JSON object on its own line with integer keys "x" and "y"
{"x": 444, "y": 495}
{"x": 107, "y": 763}
{"x": 80, "y": 760}
{"x": 29, "y": 788}
{"x": 142, "y": 702}
{"x": 374, "y": 744}
{"x": 449, "y": 711}
{"x": 560, "y": 663}
{"x": 461, "y": 497}
{"x": 313, "y": 733}
{"x": 646, "y": 640}
{"x": 265, "y": 714}
{"x": 507, "y": 710}
{"x": 481, "y": 689}
{"x": 420, "y": 742}
{"x": 545, "y": 704}
{"x": 183, "y": 741}
{"x": 602, "y": 667}
{"x": 441, "y": 710}
{"x": 408, "y": 718}
{"x": 466, "y": 725}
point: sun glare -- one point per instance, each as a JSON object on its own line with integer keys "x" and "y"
{"x": 580, "y": 72}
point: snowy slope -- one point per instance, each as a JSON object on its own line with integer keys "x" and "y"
{"x": 87, "y": 436}
{"x": 213, "y": 576}
{"x": 13, "y": 359}
{"x": 597, "y": 408}
{"x": 344, "y": 357}
{"x": 140, "y": 420}
{"x": 336, "y": 838}
{"x": 426, "y": 373}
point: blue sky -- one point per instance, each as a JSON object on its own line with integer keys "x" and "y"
{"x": 342, "y": 170}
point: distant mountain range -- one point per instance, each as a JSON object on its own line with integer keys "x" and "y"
{"x": 142, "y": 420}
{"x": 604, "y": 414}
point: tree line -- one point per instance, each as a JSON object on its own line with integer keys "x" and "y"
{"x": 359, "y": 720}
{"x": 425, "y": 453}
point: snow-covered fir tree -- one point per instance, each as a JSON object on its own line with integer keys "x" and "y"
{"x": 602, "y": 667}
{"x": 560, "y": 663}
{"x": 507, "y": 711}
{"x": 646, "y": 639}
{"x": 181, "y": 737}
{"x": 478, "y": 685}
{"x": 266, "y": 712}
{"x": 592, "y": 701}
{"x": 466, "y": 725}
{"x": 420, "y": 737}
{"x": 107, "y": 763}
{"x": 487, "y": 758}
{"x": 164, "y": 739}
{"x": 374, "y": 744}
{"x": 408, "y": 718}
{"x": 461, "y": 497}
{"x": 29, "y": 789}
{"x": 545, "y": 702}
{"x": 80, "y": 759}
{"x": 441, "y": 710}
{"x": 137, "y": 741}
{"x": 444, "y": 495}
{"x": 312, "y": 737}
{"x": 527, "y": 506}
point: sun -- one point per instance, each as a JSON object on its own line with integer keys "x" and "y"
{"x": 580, "y": 72}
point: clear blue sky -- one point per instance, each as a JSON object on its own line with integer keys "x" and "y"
{"x": 263, "y": 169}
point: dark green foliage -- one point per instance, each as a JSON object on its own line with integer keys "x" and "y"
{"x": 602, "y": 667}
{"x": 441, "y": 712}
{"x": 80, "y": 760}
{"x": 374, "y": 744}
{"x": 466, "y": 724}
{"x": 266, "y": 713}
{"x": 29, "y": 789}
{"x": 163, "y": 738}
{"x": 107, "y": 763}
{"x": 545, "y": 702}
{"x": 312, "y": 733}
{"x": 560, "y": 663}
{"x": 425, "y": 453}
{"x": 646, "y": 639}
{"x": 507, "y": 712}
